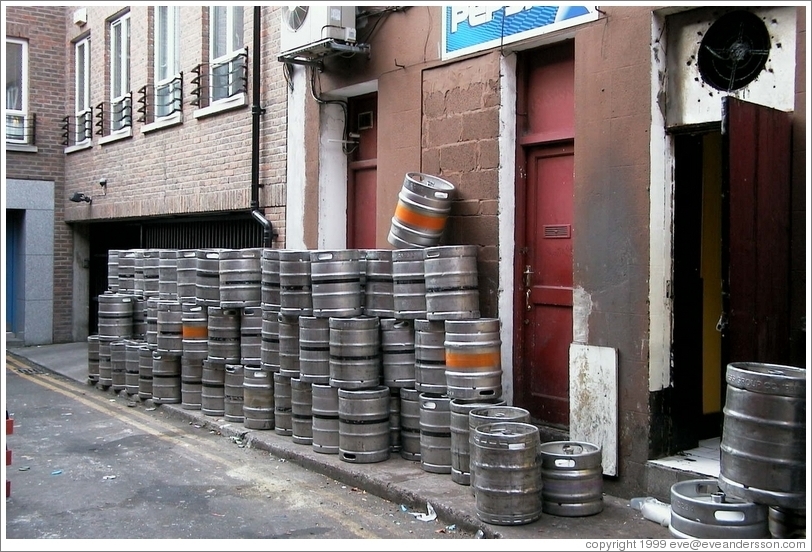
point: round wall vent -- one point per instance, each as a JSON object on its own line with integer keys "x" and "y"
{"x": 295, "y": 16}
{"x": 734, "y": 51}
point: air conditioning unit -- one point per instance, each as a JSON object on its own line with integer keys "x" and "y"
{"x": 311, "y": 29}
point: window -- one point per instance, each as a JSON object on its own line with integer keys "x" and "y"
{"x": 83, "y": 114}
{"x": 227, "y": 62}
{"x": 167, "y": 61}
{"x": 120, "y": 98}
{"x": 16, "y": 90}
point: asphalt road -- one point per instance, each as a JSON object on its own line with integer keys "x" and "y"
{"x": 88, "y": 466}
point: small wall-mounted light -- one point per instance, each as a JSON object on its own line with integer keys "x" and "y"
{"x": 79, "y": 197}
{"x": 80, "y": 17}
{"x": 103, "y": 184}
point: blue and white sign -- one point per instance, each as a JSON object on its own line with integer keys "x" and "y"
{"x": 468, "y": 29}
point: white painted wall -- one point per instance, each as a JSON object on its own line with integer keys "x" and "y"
{"x": 294, "y": 223}
{"x": 507, "y": 217}
{"x": 332, "y": 180}
{"x": 661, "y": 196}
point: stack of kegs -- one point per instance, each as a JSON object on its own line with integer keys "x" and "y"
{"x": 358, "y": 352}
{"x": 763, "y": 447}
{"x": 761, "y": 488}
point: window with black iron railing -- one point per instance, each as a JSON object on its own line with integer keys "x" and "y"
{"x": 21, "y": 129}
{"x": 220, "y": 80}
{"x": 161, "y": 101}
{"x": 77, "y": 129}
{"x": 114, "y": 117}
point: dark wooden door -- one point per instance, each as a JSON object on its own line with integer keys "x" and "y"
{"x": 756, "y": 174}
{"x": 362, "y": 178}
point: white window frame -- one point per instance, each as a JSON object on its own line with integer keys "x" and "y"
{"x": 167, "y": 87}
{"x": 233, "y": 51}
{"x": 82, "y": 112}
{"x": 123, "y": 84}
{"x": 19, "y": 117}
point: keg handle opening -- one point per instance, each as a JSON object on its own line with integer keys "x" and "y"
{"x": 572, "y": 449}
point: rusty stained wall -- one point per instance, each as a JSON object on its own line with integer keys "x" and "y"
{"x": 611, "y": 247}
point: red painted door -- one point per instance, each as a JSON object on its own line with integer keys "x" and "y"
{"x": 547, "y": 276}
{"x": 757, "y": 150}
{"x": 362, "y": 167}
{"x": 543, "y": 305}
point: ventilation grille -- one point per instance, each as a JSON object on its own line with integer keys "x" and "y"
{"x": 556, "y": 230}
{"x": 237, "y": 233}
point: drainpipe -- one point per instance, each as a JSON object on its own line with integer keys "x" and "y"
{"x": 256, "y": 113}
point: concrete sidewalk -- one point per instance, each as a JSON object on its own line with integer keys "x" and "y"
{"x": 397, "y": 480}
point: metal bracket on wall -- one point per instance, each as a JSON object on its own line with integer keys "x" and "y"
{"x": 315, "y": 58}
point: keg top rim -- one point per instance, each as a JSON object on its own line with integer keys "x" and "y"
{"x": 580, "y": 448}
{"x": 430, "y": 181}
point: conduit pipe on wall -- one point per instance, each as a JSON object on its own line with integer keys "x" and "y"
{"x": 256, "y": 112}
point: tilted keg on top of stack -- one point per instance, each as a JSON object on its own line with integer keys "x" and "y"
{"x": 424, "y": 203}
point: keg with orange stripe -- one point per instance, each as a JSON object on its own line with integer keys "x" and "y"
{"x": 195, "y": 328}
{"x": 423, "y": 205}
{"x": 473, "y": 359}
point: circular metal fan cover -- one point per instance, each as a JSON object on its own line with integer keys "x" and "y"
{"x": 295, "y": 16}
{"x": 734, "y": 50}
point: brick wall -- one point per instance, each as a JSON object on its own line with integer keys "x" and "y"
{"x": 460, "y": 143}
{"x": 44, "y": 27}
{"x": 201, "y": 165}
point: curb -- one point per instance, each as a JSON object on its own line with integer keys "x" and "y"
{"x": 393, "y": 493}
